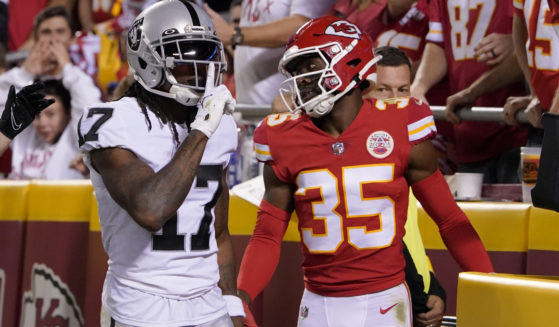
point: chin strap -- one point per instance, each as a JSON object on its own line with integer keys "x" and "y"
{"x": 321, "y": 108}
{"x": 184, "y": 95}
{"x": 181, "y": 94}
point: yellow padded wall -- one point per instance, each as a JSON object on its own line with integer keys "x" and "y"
{"x": 497, "y": 300}
{"x": 68, "y": 201}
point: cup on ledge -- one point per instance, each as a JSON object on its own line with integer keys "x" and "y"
{"x": 530, "y": 162}
{"x": 469, "y": 185}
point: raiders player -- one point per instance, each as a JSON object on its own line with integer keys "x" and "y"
{"x": 158, "y": 158}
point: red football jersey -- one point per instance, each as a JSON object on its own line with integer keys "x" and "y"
{"x": 351, "y": 196}
{"x": 406, "y": 32}
{"x": 458, "y": 26}
{"x": 458, "y": 29}
{"x": 542, "y": 49}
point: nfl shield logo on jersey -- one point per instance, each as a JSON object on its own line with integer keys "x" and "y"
{"x": 380, "y": 144}
{"x": 338, "y": 148}
{"x": 304, "y": 312}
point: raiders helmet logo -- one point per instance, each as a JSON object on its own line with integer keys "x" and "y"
{"x": 135, "y": 34}
{"x": 49, "y": 302}
{"x": 344, "y": 29}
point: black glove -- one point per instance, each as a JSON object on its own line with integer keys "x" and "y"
{"x": 21, "y": 108}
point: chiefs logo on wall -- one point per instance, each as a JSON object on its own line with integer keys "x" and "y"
{"x": 343, "y": 28}
{"x": 49, "y": 302}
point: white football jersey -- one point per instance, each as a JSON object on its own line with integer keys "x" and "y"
{"x": 180, "y": 260}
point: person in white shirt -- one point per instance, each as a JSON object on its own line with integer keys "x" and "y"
{"x": 46, "y": 150}
{"x": 49, "y": 59}
{"x": 259, "y": 42}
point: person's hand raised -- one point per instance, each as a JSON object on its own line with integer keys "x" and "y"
{"x": 21, "y": 108}
{"x": 216, "y": 101}
{"x": 35, "y": 61}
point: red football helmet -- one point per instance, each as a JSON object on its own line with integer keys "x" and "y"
{"x": 347, "y": 54}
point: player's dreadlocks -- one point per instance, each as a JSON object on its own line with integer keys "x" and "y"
{"x": 146, "y": 99}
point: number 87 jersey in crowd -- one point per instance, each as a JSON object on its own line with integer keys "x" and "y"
{"x": 351, "y": 196}
{"x": 180, "y": 259}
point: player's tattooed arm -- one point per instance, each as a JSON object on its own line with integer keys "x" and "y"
{"x": 150, "y": 198}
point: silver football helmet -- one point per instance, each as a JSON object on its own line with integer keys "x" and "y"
{"x": 174, "y": 35}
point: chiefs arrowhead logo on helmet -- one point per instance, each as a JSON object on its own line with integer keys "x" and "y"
{"x": 347, "y": 55}
{"x": 343, "y": 28}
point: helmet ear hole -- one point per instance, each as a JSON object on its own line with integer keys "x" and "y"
{"x": 142, "y": 62}
{"x": 354, "y": 63}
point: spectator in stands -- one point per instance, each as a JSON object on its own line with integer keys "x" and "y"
{"x": 544, "y": 194}
{"x": 21, "y": 111}
{"x": 21, "y": 24}
{"x": 489, "y": 148}
{"x": 49, "y": 59}
{"x": 229, "y": 75}
{"x": 393, "y": 80}
{"x": 494, "y": 48}
{"x": 539, "y": 65}
{"x": 46, "y": 150}
{"x": 98, "y": 49}
{"x": 259, "y": 42}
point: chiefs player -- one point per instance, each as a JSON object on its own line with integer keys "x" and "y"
{"x": 345, "y": 165}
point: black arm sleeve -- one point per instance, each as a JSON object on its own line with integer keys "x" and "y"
{"x": 435, "y": 288}
{"x": 415, "y": 284}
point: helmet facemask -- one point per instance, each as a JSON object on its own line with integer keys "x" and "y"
{"x": 190, "y": 55}
{"x": 348, "y": 56}
{"x": 296, "y": 88}
{"x": 329, "y": 83}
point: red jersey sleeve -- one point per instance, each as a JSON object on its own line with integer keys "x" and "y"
{"x": 268, "y": 144}
{"x": 261, "y": 144}
{"x": 421, "y": 123}
{"x": 435, "y": 34}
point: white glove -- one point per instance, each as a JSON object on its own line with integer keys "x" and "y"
{"x": 215, "y": 102}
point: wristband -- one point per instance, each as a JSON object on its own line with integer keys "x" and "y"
{"x": 234, "y": 306}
